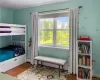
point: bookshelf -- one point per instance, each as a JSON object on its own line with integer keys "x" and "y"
{"x": 84, "y": 68}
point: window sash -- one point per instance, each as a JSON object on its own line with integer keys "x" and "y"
{"x": 54, "y": 15}
{"x": 54, "y": 29}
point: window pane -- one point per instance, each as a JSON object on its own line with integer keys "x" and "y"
{"x": 62, "y": 22}
{"x": 46, "y": 37}
{"x": 62, "y": 37}
{"x": 62, "y": 31}
{"x": 54, "y": 28}
{"x": 46, "y": 23}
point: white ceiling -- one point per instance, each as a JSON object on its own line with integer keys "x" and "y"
{"x": 19, "y": 4}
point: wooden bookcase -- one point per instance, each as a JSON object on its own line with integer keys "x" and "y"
{"x": 84, "y": 64}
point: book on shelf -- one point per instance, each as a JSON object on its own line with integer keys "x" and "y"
{"x": 83, "y": 73}
{"x": 87, "y": 61}
{"x": 84, "y": 60}
{"x": 83, "y": 48}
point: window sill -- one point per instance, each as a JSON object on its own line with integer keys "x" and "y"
{"x": 65, "y": 48}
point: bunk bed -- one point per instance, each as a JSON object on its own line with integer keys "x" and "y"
{"x": 15, "y": 53}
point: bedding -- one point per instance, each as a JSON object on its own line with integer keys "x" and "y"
{"x": 6, "y": 54}
{"x": 11, "y": 52}
{"x": 18, "y": 50}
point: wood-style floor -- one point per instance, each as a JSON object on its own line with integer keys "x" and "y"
{"x": 17, "y": 70}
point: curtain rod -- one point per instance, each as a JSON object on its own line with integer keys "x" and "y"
{"x": 57, "y": 10}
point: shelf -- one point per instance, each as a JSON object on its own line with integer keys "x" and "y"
{"x": 84, "y": 54}
{"x": 83, "y": 41}
{"x": 82, "y": 79}
{"x": 88, "y": 67}
{"x": 84, "y": 57}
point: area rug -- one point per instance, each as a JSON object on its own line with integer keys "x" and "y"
{"x": 42, "y": 73}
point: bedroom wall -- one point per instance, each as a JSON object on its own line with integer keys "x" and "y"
{"x": 6, "y": 16}
{"x": 89, "y": 20}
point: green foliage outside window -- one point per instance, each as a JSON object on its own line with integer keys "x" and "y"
{"x": 46, "y": 34}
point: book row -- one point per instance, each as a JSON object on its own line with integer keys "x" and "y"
{"x": 84, "y": 60}
{"x": 83, "y": 48}
{"x": 83, "y": 73}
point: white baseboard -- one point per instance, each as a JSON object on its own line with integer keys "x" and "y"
{"x": 28, "y": 60}
{"x": 96, "y": 75}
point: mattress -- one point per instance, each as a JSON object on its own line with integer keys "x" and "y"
{"x": 6, "y": 54}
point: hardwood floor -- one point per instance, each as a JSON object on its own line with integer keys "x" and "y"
{"x": 17, "y": 70}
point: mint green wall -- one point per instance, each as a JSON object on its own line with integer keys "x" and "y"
{"x": 89, "y": 19}
{"x": 52, "y": 52}
{"x": 5, "y": 41}
{"x": 6, "y": 16}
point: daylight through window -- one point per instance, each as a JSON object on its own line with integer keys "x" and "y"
{"x": 54, "y": 31}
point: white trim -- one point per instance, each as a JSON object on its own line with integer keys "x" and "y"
{"x": 84, "y": 41}
{"x": 54, "y": 29}
{"x": 28, "y": 60}
{"x": 9, "y": 34}
{"x": 11, "y": 63}
{"x": 55, "y": 47}
{"x": 14, "y": 28}
{"x": 12, "y": 25}
{"x": 95, "y": 75}
{"x": 53, "y": 12}
{"x": 48, "y": 2}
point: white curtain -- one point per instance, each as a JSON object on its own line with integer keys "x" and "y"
{"x": 73, "y": 39}
{"x": 34, "y": 49}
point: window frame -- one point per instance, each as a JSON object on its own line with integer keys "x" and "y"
{"x": 54, "y": 37}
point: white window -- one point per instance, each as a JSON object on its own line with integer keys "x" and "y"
{"x": 54, "y": 30}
